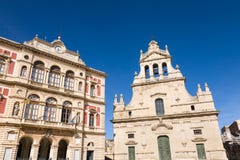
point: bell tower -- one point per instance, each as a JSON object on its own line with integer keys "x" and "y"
{"x": 155, "y": 65}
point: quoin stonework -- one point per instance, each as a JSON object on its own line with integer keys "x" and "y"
{"x": 163, "y": 121}
{"x": 52, "y": 106}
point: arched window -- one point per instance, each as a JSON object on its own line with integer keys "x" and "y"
{"x": 92, "y": 90}
{"x": 24, "y": 148}
{"x": 54, "y": 76}
{"x": 164, "y": 148}
{"x": 164, "y": 69}
{"x": 15, "y": 109}
{"x": 38, "y": 72}
{"x": 69, "y": 80}
{"x": 159, "y": 107}
{"x": 66, "y": 111}
{"x": 23, "y": 72}
{"x": 2, "y": 66}
{"x": 147, "y": 73}
{"x": 50, "y": 110}
{"x": 155, "y": 70}
{"x": 62, "y": 150}
{"x": 32, "y": 105}
{"x": 80, "y": 86}
{"x": 44, "y": 148}
{"x": 91, "y": 120}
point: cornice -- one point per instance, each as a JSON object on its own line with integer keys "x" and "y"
{"x": 170, "y": 116}
{"x": 40, "y": 52}
{"x": 36, "y": 87}
{"x": 53, "y": 127}
{"x": 159, "y": 81}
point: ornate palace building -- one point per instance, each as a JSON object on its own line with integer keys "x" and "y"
{"x": 231, "y": 140}
{"x": 52, "y": 106}
{"x": 163, "y": 121}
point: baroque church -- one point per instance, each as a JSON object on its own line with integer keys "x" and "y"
{"x": 52, "y": 106}
{"x": 163, "y": 121}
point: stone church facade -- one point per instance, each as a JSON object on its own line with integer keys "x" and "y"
{"x": 163, "y": 121}
{"x": 52, "y": 106}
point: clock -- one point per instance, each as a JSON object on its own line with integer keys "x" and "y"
{"x": 58, "y": 49}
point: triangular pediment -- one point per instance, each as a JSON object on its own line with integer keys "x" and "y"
{"x": 154, "y": 56}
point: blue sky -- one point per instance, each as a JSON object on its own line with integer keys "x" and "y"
{"x": 203, "y": 37}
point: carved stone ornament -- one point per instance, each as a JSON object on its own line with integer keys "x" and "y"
{"x": 131, "y": 143}
{"x": 161, "y": 124}
{"x": 199, "y": 139}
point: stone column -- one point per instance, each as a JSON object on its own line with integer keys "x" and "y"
{"x": 151, "y": 71}
{"x": 53, "y": 152}
{"x": 69, "y": 153}
{"x": 58, "y": 114}
{"x": 34, "y": 151}
{"x": 160, "y": 70}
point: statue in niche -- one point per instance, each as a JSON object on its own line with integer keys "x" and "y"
{"x": 16, "y": 109}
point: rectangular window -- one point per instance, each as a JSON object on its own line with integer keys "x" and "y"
{"x": 89, "y": 155}
{"x": 7, "y": 155}
{"x": 131, "y": 153}
{"x": 197, "y": 131}
{"x": 11, "y": 136}
{"x": 76, "y": 154}
{"x": 201, "y": 151}
{"x": 130, "y": 135}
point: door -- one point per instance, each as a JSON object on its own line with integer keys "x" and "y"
{"x": 164, "y": 148}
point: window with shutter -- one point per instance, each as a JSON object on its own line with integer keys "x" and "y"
{"x": 201, "y": 151}
{"x": 131, "y": 153}
{"x": 164, "y": 148}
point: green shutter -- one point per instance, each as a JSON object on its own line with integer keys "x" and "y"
{"x": 201, "y": 151}
{"x": 131, "y": 153}
{"x": 164, "y": 148}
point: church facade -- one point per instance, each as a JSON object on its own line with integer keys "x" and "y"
{"x": 163, "y": 121}
{"x": 52, "y": 106}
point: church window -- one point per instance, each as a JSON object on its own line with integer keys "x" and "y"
{"x": 38, "y": 72}
{"x": 197, "y": 131}
{"x": 54, "y": 76}
{"x": 130, "y": 135}
{"x": 155, "y": 70}
{"x": 23, "y": 71}
{"x": 164, "y": 69}
{"x": 201, "y": 151}
{"x": 159, "y": 107}
{"x": 147, "y": 73}
{"x": 130, "y": 114}
{"x": 192, "y": 107}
